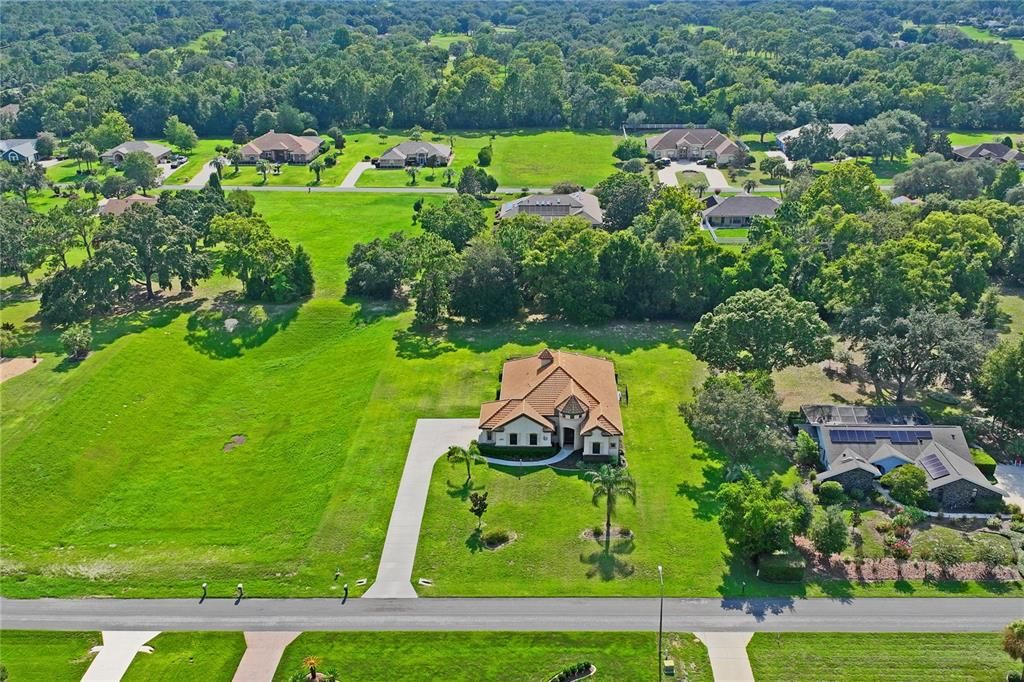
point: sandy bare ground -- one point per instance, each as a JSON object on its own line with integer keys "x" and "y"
{"x": 12, "y": 367}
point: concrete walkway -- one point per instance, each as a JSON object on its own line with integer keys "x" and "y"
{"x": 116, "y": 654}
{"x": 1011, "y": 479}
{"x": 353, "y": 175}
{"x": 200, "y": 179}
{"x": 728, "y": 654}
{"x": 263, "y": 651}
{"x": 429, "y": 441}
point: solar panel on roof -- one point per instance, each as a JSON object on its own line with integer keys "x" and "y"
{"x": 934, "y": 466}
{"x": 923, "y": 435}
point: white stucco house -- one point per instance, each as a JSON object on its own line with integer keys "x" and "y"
{"x": 556, "y": 399}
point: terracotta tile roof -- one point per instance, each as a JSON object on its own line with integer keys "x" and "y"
{"x": 284, "y": 142}
{"x": 119, "y": 206}
{"x": 535, "y": 386}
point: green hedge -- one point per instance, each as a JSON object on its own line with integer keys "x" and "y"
{"x": 984, "y": 461}
{"x": 782, "y": 567}
{"x": 519, "y": 452}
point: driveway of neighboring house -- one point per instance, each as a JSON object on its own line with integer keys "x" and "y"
{"x": 716, "y": 179}
{"x": 353, "y": 175}
{"x": 781, "y": 155}
{"x": 263, "y": 651}
{"x": 728, "y": 654}
{"x": 429, "y": 441}
{"x": 200, "y": 179}
{"x": 116, "y": 654}
{"x": 1011, "y": 479}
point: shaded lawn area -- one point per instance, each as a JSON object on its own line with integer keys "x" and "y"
{"x": 204, "y": 151}
{"x": 46, "y": 656}
{"x": 507, "y": 656}
{"x": 884, "y": 170}
{"x": 1011, "y": 302}
{"x": 968, "y": 137}
{"x": 189, "y": 656}
{"x": 446, "y": 40}
{"x": 987, "y": 37}
{"x": 71, "y": 170}
{"x": 290, "y": 175}
{"x": 204, "y": 41}
{"x": 877, "y": 657}
{"x": 521, "y": 158}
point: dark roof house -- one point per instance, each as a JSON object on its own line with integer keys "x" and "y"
{"x": 739, "y": 210}
{"x": 993, "y": 151}
{"x": 19, "y": 150}
{"x": 551, "y": 206}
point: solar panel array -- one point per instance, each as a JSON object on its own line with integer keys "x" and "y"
{"x": 934, "y": 466}
{"x": 897, "y": 437}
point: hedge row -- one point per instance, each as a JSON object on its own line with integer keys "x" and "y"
{"x": 520, "y": 452}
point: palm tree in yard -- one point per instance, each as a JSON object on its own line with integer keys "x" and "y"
{"x": 412, "y": 172}
{"x": 470, "y": 456}
{"x": 449, "y": 175}
{"x": 1013, "y": 640}
{"x": 748, "y": 186}
{"x": 311, "y": 662}
{"x": 263, "y": 168}
{"x": 610, "y": 483}
{"x": 316, "y": 166}
{"x": 218, "y": 164}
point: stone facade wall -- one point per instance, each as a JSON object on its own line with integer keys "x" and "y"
{"x": 855, "y": 479}
{"x": 960, "y": 495}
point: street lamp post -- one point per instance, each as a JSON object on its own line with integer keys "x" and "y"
{"x": 661, "y": 612}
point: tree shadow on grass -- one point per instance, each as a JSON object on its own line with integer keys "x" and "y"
{"x": 413, "y": 345}
{"x": 475, "y": 541}
{"x": 369, "y": 310}
{"x": 14, "y": 295}
{"x": 462, "y": 491}
{"x": 208, "y": 329}
{"x": 608, "y": 564}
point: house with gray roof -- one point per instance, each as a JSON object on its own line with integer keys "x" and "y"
{"x": 860, "y": 444}
{"x": 19, "y": 150}
{"x": 551, "y": 206}
{"x": 739, "y": 211}
{"x": 693, "y": 144}
{"x": 415, "y": 153}
{"x": 116, "y": 155}
{"x": 992, "y": 151}
{"x": 837, "y": 132}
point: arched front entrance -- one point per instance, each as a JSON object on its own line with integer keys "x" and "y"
{"x": 568, "y": 438}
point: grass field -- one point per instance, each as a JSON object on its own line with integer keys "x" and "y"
{"x": 197, "y": 158}
{"x": 1011, "y": 303}
{"x": 115, "y": 481}
{"x": 987, "y": 37}
{"x": 961, "y": 139}
{"x": 877, "y": 657}
{"x": 46, "y": 656}
{"x": 521, "y": 158}
{"x": 211, "y": 656}
{"x": 291, "y": 174}
{"x": 446, "y": 40}
{"x": 732, "y": 232}
{"x": 507, "y": 656}
{"x": 204, "y": 41}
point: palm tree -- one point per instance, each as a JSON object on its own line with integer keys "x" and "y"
{"x": 749, "y": 185}
{"x": 92, "y": 186}
{"x": 412, "y": 171}
{"x": 218, "y": 164}
{"x": 263, "y": 168}
{"x": 317, "y": 166}
{"x": 235, "y": 155}
{"x": 449, "y": 175}
{"x": 470, "y": 456}
{"x": 701, "y": 186}
{"x": 89, "y": 154}
{"x": 311, "y": 662}
{"x": 1013, "y": 640}
{"x": 609, "y": 483}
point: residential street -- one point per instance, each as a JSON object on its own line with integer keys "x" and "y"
{"x": 951, "y": 614}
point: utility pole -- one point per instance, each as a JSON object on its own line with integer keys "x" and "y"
{"x": 661, "y": 613}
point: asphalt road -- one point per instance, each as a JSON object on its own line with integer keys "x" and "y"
{"x": 577, "y": 614}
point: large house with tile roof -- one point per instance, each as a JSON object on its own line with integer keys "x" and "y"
{"x": 693, "y": 144}
{"x": 858, "y": 444}
{"x": 282, "y": 148}
{"x": 556, "y": 399}
{"x": 548, "y": 207}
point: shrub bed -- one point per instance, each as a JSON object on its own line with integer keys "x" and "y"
{"x": 524, "y": 453}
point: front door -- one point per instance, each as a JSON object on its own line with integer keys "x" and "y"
{"x": 568, "y": 438}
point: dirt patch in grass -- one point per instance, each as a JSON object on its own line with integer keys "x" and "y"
{"x": 12, "y": 367}
{"x": 236, "y": 440}
{"x": 624, "y": 533}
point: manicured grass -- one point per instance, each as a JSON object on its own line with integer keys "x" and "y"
{"x": 877, "y": 657}
{"x": 507, "y": 656}
{"x": 987, "y": 37}
{"x": 46, "y": 656}
{"x": 446, "y": 40}
{"x": 205, "y": 151}
{"x": 884, "y": 170}
{"x": 291, "y": 174}
{"x": 204, "y": 41}
{"x": 1011, "y": 303}
{"x": 189, "y": 656}
{"x": 964, "y": 138}
{"x": 692, "y": 179}
{"x": 732, "y": 232}
{"x": 70, "y": 170}
{"x": 521, "y": 158}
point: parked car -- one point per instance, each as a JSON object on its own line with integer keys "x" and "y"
{"x": 662, "y": 163}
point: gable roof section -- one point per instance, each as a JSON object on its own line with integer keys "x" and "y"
{"x": 282, "y": 142}
{"x": 996, "y": 151}
{"x": 708, "y": 138}
{"x": 25, "y": 147}
{"x": 153, "y": 149}
{"x": 838, "y": 132}
{"x": 582, "y": 204}
{"x": 743, "y": 206}
{"x": 118, "y": 206}
{"x": 538, "y": 385}
{"x": 403, "y": 150}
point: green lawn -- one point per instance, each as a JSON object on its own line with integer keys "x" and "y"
{"x": 507, "y": 656}
{"x": 446, "y": 40}
{"x": 204, "y": 151}
{"x": 69, "y": 170}
{"x": 964, "y": 138}
{"x": 877, "y": 657}
{"x": 521, "y": 158}
{"x": 732, "y": 232}
{"x": 884, "y": 170}
{"x": 203, "y": 42}
{"x": 692, "y": 179}
{"x": 987, "y": 37}
{"x": 1011, "y": 303}
{"x": 46, "y": 656}
{"x": 291, "y": 174}
{"x": 211, "y": 656}
{"x": 115, "y": 481}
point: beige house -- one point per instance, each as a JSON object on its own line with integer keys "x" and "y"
{"x": 556, "y": 399}
{"x": 116, "y": 155}
{"x": 415, "y": 153}
{"x": 282, "y": 148}
{"x": 693, "y": 144}
{"x": 551, "y": 206}
{"x": 117, "y": 206}
{"x": 739, "y": 211}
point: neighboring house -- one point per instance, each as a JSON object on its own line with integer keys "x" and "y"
{"x": 19, "y": 151}
{"x": 839, "y": 131}
{"x": 693, "y": 143}
{"x": 739, "y": 211}
{"x": 858, "y": 444}
{"x": 993, "y": 151}
{"x": 118, "y": 206}
{"x": 551, "y": 206}
{"x": 904, "y": 200}
{"x": 116, "y": 155}
{"x": 282, "y": 148}
{"x": 559, "y": 399}
{"x": 415, "y": 153}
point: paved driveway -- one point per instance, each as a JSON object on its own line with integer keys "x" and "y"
{"x": 1011, "y": 479}
{"x": 352, "y": 177}
{"x": 429, "y": 441}
{"x": 716, "y": 179}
